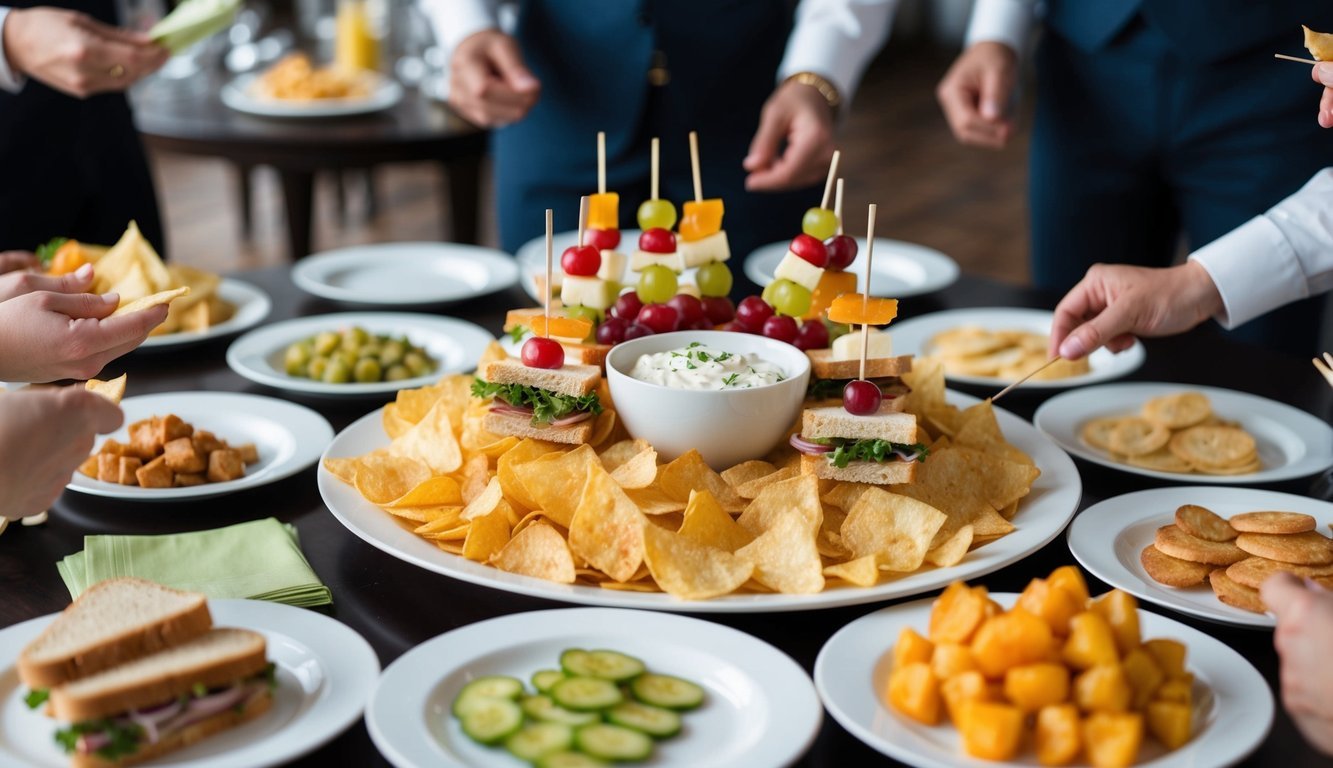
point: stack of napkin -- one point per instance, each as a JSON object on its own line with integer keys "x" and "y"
{"x": 258, "y": 560}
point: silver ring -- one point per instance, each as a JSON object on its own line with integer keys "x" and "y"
{"x": 116, "y": 71}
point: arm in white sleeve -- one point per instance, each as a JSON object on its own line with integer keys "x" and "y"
{"x": 9, "y": 79}
{"x": 1002, "y": 21}
{"x": 1275, "y": 259}
{"x": 453, "y": 21}
{"x": 836, "y": 39}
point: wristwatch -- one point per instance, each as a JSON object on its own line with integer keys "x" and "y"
{"x": 820, "y": 83}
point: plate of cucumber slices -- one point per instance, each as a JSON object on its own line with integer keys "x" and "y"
{"x": 588, "y": 687}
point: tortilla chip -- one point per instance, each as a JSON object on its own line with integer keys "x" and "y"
{"x": 112, "y": 390}
{"x": 147, "y": 302}
{"x": 607, "y": 529}
{"x": 688, "y": 473}
{"x": 863, "y": 571}
{"x": 555, "y": 481}
{"x": 952, "y": 551}
{"x": 896, "y": 529}
{"x": 487, "y": 535}
{"x": 539, "y": 551}
{"x": 686, "y": 569}
{"x": 708, "y": 524}
{"x": 796, "y": 496}
{"x": 784, "y": 556}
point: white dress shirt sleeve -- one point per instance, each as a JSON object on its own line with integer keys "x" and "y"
{"x": 9, "y": 79}
{"x": 1275, "y": 259}
{"x": 455, "y": 20}
{"x": 836, "y": 39}
{"x": 1002, "y": 21}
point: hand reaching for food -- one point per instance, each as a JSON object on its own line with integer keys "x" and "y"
{"x": 49, "y": 335}
{"x": 975, "y": 95}
{"x": 1304, "y": 624}
{"x": 74, "y": 53}
{"x": 44, "y": 435}
{"x": 799, "y": 116}
{"x": 488, "y": 82}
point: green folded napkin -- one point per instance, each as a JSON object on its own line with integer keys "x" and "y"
{"x": 259, "y": 560}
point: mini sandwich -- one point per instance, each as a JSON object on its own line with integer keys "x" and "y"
{"x": 518, "y": 326}
{"x": 554, "y": 404}
{"x": 880, "y": 449}
{"x": 831, "y": 369}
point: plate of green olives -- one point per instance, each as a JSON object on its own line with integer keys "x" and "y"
{"x": 356, "y": 354}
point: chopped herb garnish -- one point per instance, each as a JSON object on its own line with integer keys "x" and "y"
{"x": 199, "y": 690}
{"x": 547, "y": 406}
{"x": 730, "y": 381}
{"x": 37, "y": 697}
{"x": 124, "y": 737}
{"x": 517, "y": 333}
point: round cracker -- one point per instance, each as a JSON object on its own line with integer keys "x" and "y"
{"x": 1161, "y": 460}
{"x": 1178, "y": 544}
{"x": 1204, "y": 523}
{"x": 1309, "y": 548}
{"x": 1178, "y": 411}
{"x": 1135, "y": 436}
{"x": 1254, "y": 571}
{"x": 1273, "y": 522}
{"x": 1172, "y": 571}
{"x": 1097, "y": 432}
{"x": 1214, "y": 447}
{"x": 1240, "y": 469}
{"x": 1233, "y": 594}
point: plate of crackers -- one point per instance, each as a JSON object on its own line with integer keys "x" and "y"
{"x": 295, "y": 87}
{"x": 1188, "y": 434}
{"x": 997, "y": 345}
{"x": 1205, "y": 551}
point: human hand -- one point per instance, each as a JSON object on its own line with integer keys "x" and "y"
{"x": 1304, "y": 626}
{"x": 799, "y": 115}
{"x": 975, "y": 94}
{"x": 17, "y": 283}
{"x": 1323, "y": 74}
{"x": 1113, "y": 303}
{"x": 44, "y": 435}
{"x": 47, "y": 335}
{"x": 11, "y": 261}
{"x": 74, "y": 53}
{"x": 488, "y": 82}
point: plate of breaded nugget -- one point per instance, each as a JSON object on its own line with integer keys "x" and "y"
{"x": 1203, "y": 550}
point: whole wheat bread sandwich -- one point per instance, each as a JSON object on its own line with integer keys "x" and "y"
{"x": 880, "y": 448}
{"x": 554, "y": 404}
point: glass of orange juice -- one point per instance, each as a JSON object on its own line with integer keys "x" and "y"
{"x": 357, "y": 35}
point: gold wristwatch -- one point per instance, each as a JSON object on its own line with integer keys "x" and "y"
{"x": 820, "y": 83}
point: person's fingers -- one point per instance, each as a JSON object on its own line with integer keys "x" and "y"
{"x": 80, "y": 305}
{"x": 1121, "y": 343}
{"x": 1326, "y": 108}
{"x": 508, "y": 63}
{"x": 97, "y": 413}
{"x": 1285, "y": 596}
{"x": 1072, "y": 310}
{"x": 132, "y": 327}
{"x": 958, "y": 101}
{"x": 1322, "y": 73}
{"x": 996, "y": 87}
{"x": 803, "y": 162}
{"x": 767, "y": 138}
{"x": 15, "y": 260}
{"x": 77, "y": 281}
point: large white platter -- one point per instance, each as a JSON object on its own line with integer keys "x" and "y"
{"x": 289, "y": 438}
{"x": 532, "y": 260}
{"x": 456, "y": 345}
{"x": 1233, "y": 707}
{"x": 325, "y": 672}
{"x": 900, "y": 269}
{"x": 405, "y": 274}
{"x": 252, "y": 306}
{"x": 242, "y": 95}
{"x": 1291, "y": 442}
{"x": 760, "y": 708}
{"x": 1108, "y": 537}
{"x": 1041, "y": 517}
{"x": 912, "y": 337}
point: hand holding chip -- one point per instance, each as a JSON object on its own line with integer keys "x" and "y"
{"x": 49, "y": 335}
{"x": 1304, "y": 624}
{"x": 44, "y": 435}
{"x": 12, "y": 261}
{"x": 18, "y": 282}
{"x": 1323, "y": 74}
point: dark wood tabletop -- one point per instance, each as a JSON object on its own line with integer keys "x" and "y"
{"x": 397, "y": 606}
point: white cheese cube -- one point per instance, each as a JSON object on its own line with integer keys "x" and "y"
{"x": 848, "y": 346}
{"x": 799, "y": 271}
{"x": 711, "y": 248}
{"x": 613, "y": 266}
{"x": 588, "y": 291}
{"x": 671, "y": 261}
{"x": 689, "y": 288}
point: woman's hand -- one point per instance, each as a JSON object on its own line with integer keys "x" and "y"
{"x": 74, "y": 53}
{"x": 45, "y": 434}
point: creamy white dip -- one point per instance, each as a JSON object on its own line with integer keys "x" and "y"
{"x": 702, "y": 367}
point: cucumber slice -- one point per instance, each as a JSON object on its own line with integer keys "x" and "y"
{"x": 543, "y": 679}
{"x": 655, "y": 721}
{"x": 491, "y": 721}
{"x": 667, "y": 691}
{"x": 571, "y": 760}
{"x": 544, "y": 709}
{"x": 613, "y": 742}
{"x": 490, "y": 687}
{"x": 538, "y": 739}
{"x": 586, "y": 693}
{"x": 606, "y": 665}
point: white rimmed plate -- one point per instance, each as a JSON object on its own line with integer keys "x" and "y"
{"x": 397, "y": 274}
{"x": 456, "y": 345}
{"x": 242, "y": 95}
{"x": 1041, "y": 517}
{"x": 1291, "y": 442}
{"x": 760, "y": 708}
{"x": 325, "y": 672}
{"x": 289, "y": 438}
{"x": 913, "y": 336}
{"x": 1108, "y": 537}
{"x": 1233, "y": 707}
{"x": 532, "y": 260}
{"x": 252, "y": 306}
{"x": 900, "y": 269}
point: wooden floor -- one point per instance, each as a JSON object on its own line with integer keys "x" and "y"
{"x": 968, "y": 203}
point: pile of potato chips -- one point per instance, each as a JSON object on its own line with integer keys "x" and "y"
{"x": 609, "y": 514}
{"x": 970, "y": 350}
{"x": 1176, "y": 433}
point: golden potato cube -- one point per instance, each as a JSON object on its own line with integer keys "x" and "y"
{"x": 1121, "y": 611}
{"x": 143, "y": 439}
{"x": 1070, "y": 579}
{"x": 1144, "y": 676}
{"x": 1033, "y": 686}
{"x": 108, "y": 467}
{"x": 224, "y": 465}
{"x": 1055, "y": 605}
{"x": 206, "y": 442}
{"x": 1103, "y": 689}
{"x": 1169, "y": 723}
{"x": 156, "y": 474}
{"x": 249, "y": 453}
{"x": 957, "y": 613}
{"x": 965, "y": 686}
{"x": 992, "y": 608}
{"x": 951, "y": 659}
{"x": 89, "y": 466}
{"x": 1091, "y": 642}
{"x": 125, "y": 469}
{"x": 183, "y": 458}
{"x": 1010, "y": 640}
{"x": 1169, "y": 655}
{"x": 1177, "y": 689}
{"x": 170, "y": 427}
{"x": 116, "y": 448}
{"x": 1058, "y": 736}
{"x": 186, "y": 479}
{"x": 1113, "y": 740}
{"x": 911, "y": 648}
{"x": 914, "y": 692}
{"x": 990, "y": 730}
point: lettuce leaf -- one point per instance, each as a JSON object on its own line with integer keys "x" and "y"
{"x": 547, "y": 406}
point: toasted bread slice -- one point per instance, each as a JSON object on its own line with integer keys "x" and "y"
{"x": 230, "y": 718}
{"x": 894, "y": 404}
{"x": 823, "y": 366}
{"x": 112, "y": 622}
{"x": 896, "y": 427}
{"x": 873, "y": 472}
{"x": 572, "y": 380}
{"x": 521, "y": 426}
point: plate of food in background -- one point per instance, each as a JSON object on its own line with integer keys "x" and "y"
{"x": 295, "y": 87}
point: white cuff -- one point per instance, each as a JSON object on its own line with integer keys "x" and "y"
{"x": 837, "y": 40}
{"x": 456, "y": 20}
{"x": 1255, "y": 270}
{"x": 9, "y": 79}
{"x": 1001, "y": 21}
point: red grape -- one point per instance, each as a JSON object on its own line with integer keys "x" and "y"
{"x": 810, "y": 249}
{"x": 658, "y": 240}
{"x": 540, "y": 352}
{"x": 780, "y": 327}
{"x": 734, "y": 327}
{"x": 688, "y": 307}
{"x": 752, "y": 312}
{"x": 659, "y": 318}
{"x": 602, "y": 239}
{"x": 701, "y": 324}
{"x": 581, "y": 261}
{"x": 611, "y": 331}
{"x": 627, "y": 306}
{"x": 861, "y": 397}
{"x": 719, "y": 309}
{"x": 635, "y": 330}
{"x": 841, "y": 252}
{"x": 813, "y": 335}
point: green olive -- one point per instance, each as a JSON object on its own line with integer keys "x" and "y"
{"x": 337, "y": 372}
{"x": 325, "y": 342}
{"x": 296, "y": 359}
{"x": 397, "y": 373}
{"x": 370, "y": 349}
{"x": 392, "y": 353}
{"x": 367, "y": 370}
{"x": 315, "y": 369}
{"x": 415, "y": 362}
{"x": 354, "y": 337}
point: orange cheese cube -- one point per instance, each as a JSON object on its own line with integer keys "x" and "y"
{"x": 604, "y": 211}
{"x": 700, "y": 219}
{"x": 831, "y": 286}
{"x": 856, "y": 309}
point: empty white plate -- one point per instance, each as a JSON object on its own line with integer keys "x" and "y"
{"x": 398, "y": 274}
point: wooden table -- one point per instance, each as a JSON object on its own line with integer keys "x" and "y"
{"x": 188, "y": 116}
{"x": 397, "y": 606}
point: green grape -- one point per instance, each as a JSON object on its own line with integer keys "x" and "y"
{"x": 790, "y": 299}
{"x": 415, "y": 363}
{"x": 296, "y": 359}
{"x": 714, "y": 279}
{"x": 657, "y": 284}
{"x": 326, "y": 342}
{"x": 392, "y": 353}
{"x": 771, "y": 290}
{"x": 587, "y": 313}
{"x": 657, "y": 213}
{"x": 337, "y": 372}
{"x": 820, "y": 223}
{"x": 315, "y": 369}
{"x": 397, "y": 373}
{"x": 367, "y": 370}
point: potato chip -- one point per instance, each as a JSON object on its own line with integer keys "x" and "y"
{"x": 863, "y": 571}
{"x": 604, "y": 428}
{"x": 689, "y": 570}
{"x": 688, "y": 473}
{"x": 896, "y": 529}
{"x": 150, "y": 301}
{"x": 637, "y": 471}
{"x": 707, "y": 523}
{"x": 131, "y": 252}
{"x": 555, "y": 481}
{"x": 671, "y": 521}
{"x": 112, "y": 390}
{"x": 1136, "y": 436}
{"x": 537, "y": 516}
{"x": 952, "y": 551}
{"x": 829, "y": 538}
{"x": 746, "y": 471}
{"x": 607, "y": 529}
{"x": 431, "y": 441}
{"x": 629, "y": 586}
{"x": 996, "y": 481}
{"x": 753, "y": 488}
{"x": 449, "y": 525}
{"x": 1178, "y": 410}
{"x": 926, "y": 380}
{"x": 484, "y": 503}
{"x": 1008, "y": 512}
{"x": 525, "y": 451}
{"x": 652, "y": 501}
{"x": 844, "y": 495}
{"x": 343, "y": 467}
{"x": 784, "y": 556}
{"x": 796, "y": 496}
{"x": 394, "y": 424}
{"x": 423, "y": 514}
{"x": 539, "y": 551}
{"x": 493, "y": 351}
{"x": 433, "y": 492}
{"x": 383, "y": 478}
{"x": 452, "y": 547}
{"x": 474, "y": 476}
{"x": 620, "y": 453}
{"x": 1162, "y": 460}
{"x": 978, "y": 428}
{"x": 1319, "y": 44}
{"x": 487, "y": 535}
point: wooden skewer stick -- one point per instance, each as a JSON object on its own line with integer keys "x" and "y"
{"x": 550, "y": 247}
{"x": 656, "y": 150}
{"x": 601, "y": 164}
{"x": 694, "y": 166}
{"x": 1044, "y": 366}
{"x": 837, "y": 204}
{"x": 583, "y": 218}
{"x": 865, "y": 296}
{"x": 1285, "y": 57}
{"x": 832, "y": 174}
{"x": 1323, "y": 369}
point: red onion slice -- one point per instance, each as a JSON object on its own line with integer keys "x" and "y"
{"x": 512, "y": 410}
{"x": 573, "y": 418}
{"x": 807, "y": 447}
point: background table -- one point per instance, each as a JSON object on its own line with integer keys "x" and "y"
{"x": 397, "y": 606}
